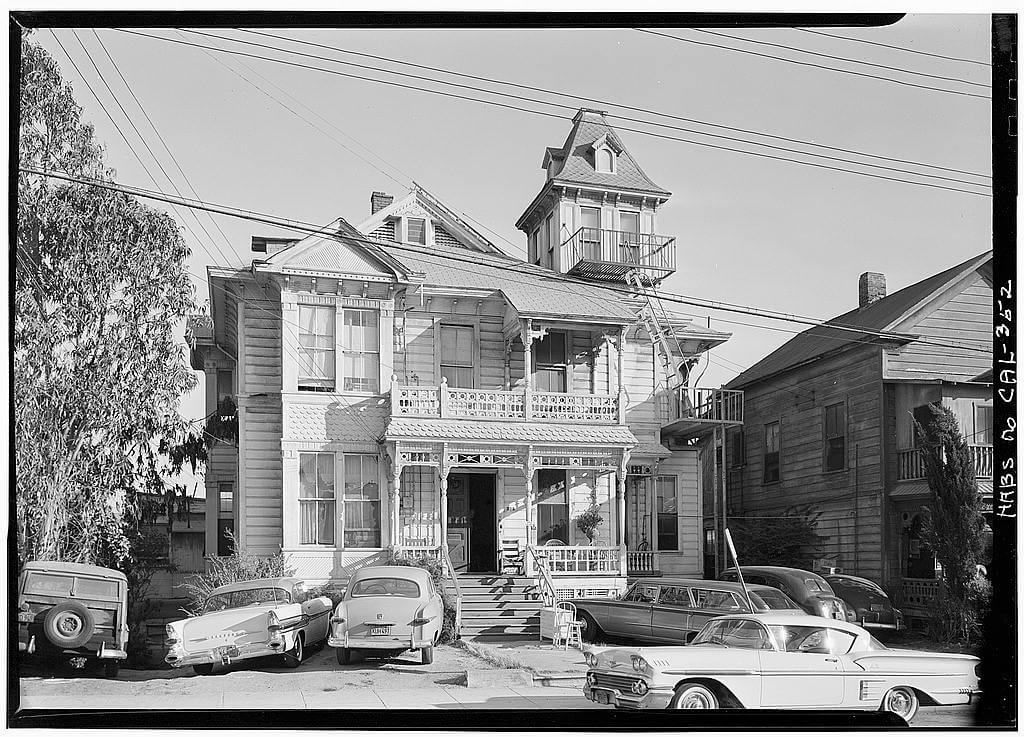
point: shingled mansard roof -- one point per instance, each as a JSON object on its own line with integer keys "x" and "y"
{"x": 885, "y": 315}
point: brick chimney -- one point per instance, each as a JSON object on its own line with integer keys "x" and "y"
{"x": 872, "y": 288}
{"x": 380, "y": 200}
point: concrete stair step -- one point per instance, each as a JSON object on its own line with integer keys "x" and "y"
{"x": 501, "y": 630}
{"x": 491, "y": 606}
{"x": 505, "y": 614}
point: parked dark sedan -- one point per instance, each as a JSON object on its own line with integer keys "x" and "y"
{"x": 667, "y": 609}
{"x": 874, "y": 611}
{"x": 807, "y": 589}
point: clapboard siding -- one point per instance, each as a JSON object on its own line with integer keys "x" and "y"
{"x": 261, "y": 428}
{"x": 262, "y": 362}
{"x": 688, "y": 560}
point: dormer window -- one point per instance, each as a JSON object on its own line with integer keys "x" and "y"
{"x": 417, "y": 230}
{"x": 605, "y": 158}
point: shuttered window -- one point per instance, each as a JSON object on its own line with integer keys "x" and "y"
{"x": 771, "y": 452}
{"x": 834, "y": 449}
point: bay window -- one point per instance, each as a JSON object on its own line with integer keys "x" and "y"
{"x": 361, "y": 342}
{"x": 316, "y": 357}
{"x": 317, "y": 510}
{"x": 362, "y": 502}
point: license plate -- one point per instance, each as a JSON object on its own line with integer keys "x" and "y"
{"x": 380, "y": 631}
{"x": 877, "y": 608}
{"x": 227, "y": 651}
{"x": 602, "y": 696}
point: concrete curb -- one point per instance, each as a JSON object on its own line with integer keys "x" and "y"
{"x": 505, "y": 677}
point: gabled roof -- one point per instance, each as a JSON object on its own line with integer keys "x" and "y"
{"x": 886, "y": 315}
{"x": 577, "y": 160}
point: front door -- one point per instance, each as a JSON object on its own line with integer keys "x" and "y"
{"x": 472, "y": 537}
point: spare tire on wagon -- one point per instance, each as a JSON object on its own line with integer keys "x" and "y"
{"x": 68, "y": 625}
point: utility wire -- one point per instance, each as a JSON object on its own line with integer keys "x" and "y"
{"x": 816, "y": 66}
{"x": 891, "y": 46}
{"x": 570, "y": 95}
{"x": 842, "y": 58}
{"x": 560, "y": 117}
{"x": 510, "y": 264}
{"x": 573, "y": 108}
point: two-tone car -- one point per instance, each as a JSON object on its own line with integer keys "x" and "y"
{"x": 669, "y": 609}
{"x": 806, "y": 588}
{"x": 871, "y": 605}
{"x": 388, "y": 610}
{"x": 771, "y": 661}
{"x": 252, "y": 619}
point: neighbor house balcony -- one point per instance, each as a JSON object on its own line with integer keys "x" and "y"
{"x": 691, "y": 410}
{"x": 443, "y": 402}
{"x": 910, "y": 463}
{"x": 610, "y": 255}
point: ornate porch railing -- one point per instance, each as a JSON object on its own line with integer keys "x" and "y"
{"x": 641, "y": 561}
{"x": 483, "y": 404}
{"x": 910, "y": 463}
{"x": 545, "y": 583}
{"x": 917, "y": 596}
{"x": 722, "y": 406}
{"x": 583, "y": 559}
{"x": 424, "y": 551}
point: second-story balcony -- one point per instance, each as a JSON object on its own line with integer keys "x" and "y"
{"x": 610, "y": 255}
{"x": 693, "y": 410}
{"x": 910, "y": 463}
{"x": 442, "y": 402}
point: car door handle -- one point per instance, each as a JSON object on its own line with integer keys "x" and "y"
{"x": 831, "y": 660}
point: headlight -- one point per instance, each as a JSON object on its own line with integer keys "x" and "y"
{"x": 591, "y": 679}
{"x": 639, "y": 664}
{"x": 590, "y": 658}
{"x": 638, "y": 687}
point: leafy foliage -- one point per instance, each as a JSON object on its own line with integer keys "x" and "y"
{"x": 223, "y": 424}
{"x": 100, "y": 283}
{"x": 953, "y": 525}
{"x": 588, "y": 521}
{"x": 242, "y": 565}
{"x": 148, "y": 554}
{"x": 436, "y": 570}
{"x": 787, "y": 539}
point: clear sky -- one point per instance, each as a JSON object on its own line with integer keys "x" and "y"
{"x": 754, "y": 231}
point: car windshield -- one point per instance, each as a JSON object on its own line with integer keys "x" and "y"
{"x": 386, "y": 587}
{"x": 742, "y": 633}
{"x": 811, "y": 639}
{"x": 775, "y": 599}
{"x": 247, "y": 597}
{"x": 852, "y": 583}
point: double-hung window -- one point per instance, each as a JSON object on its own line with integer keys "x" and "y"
{"x": 835, "y": 437}
{"x": 629, "y": 237}
{"x": 316, "y": 348}
{"x": 982, "y": 425}
{"x": 457, "y": 355}
{"x": 362, "y": 502}
{"x": 550, "y": 362}
{"x": 668, "y": 515}
{"x": 590, "y": 233}
{"x": 771, "y": 452}
{"x": 317, "y": 511}
{"x": 361, "y": 343}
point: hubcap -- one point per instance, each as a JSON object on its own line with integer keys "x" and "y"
{"x": 899, "y": 702}
{"x": 69, "y": 624}
{"x": 695, "y": 700}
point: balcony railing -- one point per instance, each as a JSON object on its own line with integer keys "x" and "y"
{"x": 689, "y": 407}
{"x": 601, "y": 253}
{"x": 910, "y": 463}
{"x": 481, "y": 404}
{"x": 581, "y": 559}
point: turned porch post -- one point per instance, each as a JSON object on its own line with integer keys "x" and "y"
{"x": 396, "y": 505}
{"x": 620, "y": 511}
{"x": 620, "y": 351}
{"x": 531, "y": 524}
{"x": 443, "y": 470}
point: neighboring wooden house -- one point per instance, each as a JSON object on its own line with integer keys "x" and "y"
{"x": 829, "y": 420}
{"x": 186, "y": 547}
{"x": 406, "y": 384}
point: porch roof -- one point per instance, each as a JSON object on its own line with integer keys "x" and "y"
{"x": 920, "y": 489}
{"x": 408, "y": 428}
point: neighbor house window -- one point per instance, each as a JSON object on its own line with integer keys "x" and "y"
{"x": 226, "y": 499}
{"x": 457, "y": 355}
{"x": 771, "y": 452}
{"x": 835, "y": 437}
{"x": 668, "y": 513}
{"x": 982, "y": 425}
{"x": 417, "y": 230}
{"x": 737, "y": 449}
{"x": 316, "y": 499}
{"x": 225, "y": 384}
{"x": 924, "y": 416}
{"x": 552, "y": 506}
{"x": 225, "y": 517}
{"x": 362, "y": 502}
{"x": 316, "y": 348}
{"x": 550, "y": 362}
{"x": 361, "y": 343}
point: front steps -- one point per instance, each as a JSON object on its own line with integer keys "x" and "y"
{"x": 498, "y": 606}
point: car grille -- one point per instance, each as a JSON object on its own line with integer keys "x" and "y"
{"x": 613, "y": 680}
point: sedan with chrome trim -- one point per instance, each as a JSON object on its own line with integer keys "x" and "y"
{"x": 768, "y": 661}
{"x": 252, "y": 619}
{"x": 388, "y": 610}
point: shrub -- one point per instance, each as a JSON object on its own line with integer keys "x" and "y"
{"x": 589, "y": 521}
{"x": 242, "y": 565}
{"x": 788, "y": 539}
{"x": 436, "y": 570}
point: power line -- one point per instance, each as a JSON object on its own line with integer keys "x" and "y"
{"x": 573, "y": 109}
{"x": 560, "y": 117}
{"x": 816, "y": 66}
{"x": 891, "y": 46}
{"x": 570, "y": 95}
{"x": 475, "y": 261}
{"x": 842, "y": 58}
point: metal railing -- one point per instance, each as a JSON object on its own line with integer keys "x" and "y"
{"x": 484, "y": 404}
{"x": 723, "y": 406}
{"x": 646, "y": 250}
{"x": 910, "y": 463}
{"x": 545, "y": 583}
{"x": 454, "y": 578}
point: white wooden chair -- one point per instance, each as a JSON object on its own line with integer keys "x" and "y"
{"x": 511, "y": 557}
{"x": 568, "y": 629}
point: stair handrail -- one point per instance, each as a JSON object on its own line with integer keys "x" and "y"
{"x": 453, "y": 577}
{"x": 545, "y": 583}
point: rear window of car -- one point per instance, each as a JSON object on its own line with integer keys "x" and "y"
{"x": 247, "y": 597}
{"x": 96, "y": 587}
{"x": 775, "y": 599}
{"x": 850, "y": 583}
{"x": 386, "y": 587}
{"x": 678, "y": 595}
{"x": 49, "y": 584}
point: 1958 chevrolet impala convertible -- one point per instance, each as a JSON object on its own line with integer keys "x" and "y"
{"x": 250, "y": 620}
{"x": 772, "y": 661}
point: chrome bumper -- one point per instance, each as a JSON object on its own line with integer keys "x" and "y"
{"x": 177, "y": 659}
{"x": 378, "y": 643}
{"x": 653, "y": 699}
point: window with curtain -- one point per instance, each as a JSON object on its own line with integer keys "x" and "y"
{"x": 362, "y": 502}
{"x": 317, "y": 510}
{"x": 835, "y": 437}
{"x": 361, "y": 341}
{"x": 591, "y": 235}
{"x": 982, "y": 425}
{"x": 771, "y": 452}
{"x": 668, "y": 513}
{"x": 226, "y": 499}
{"x": 457, "y": 355}
{"x": 550, "y": 367}
{"x": 552, "y": 506}
{"x": 316, "y": 348}
{"x": 417, "y": 230}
